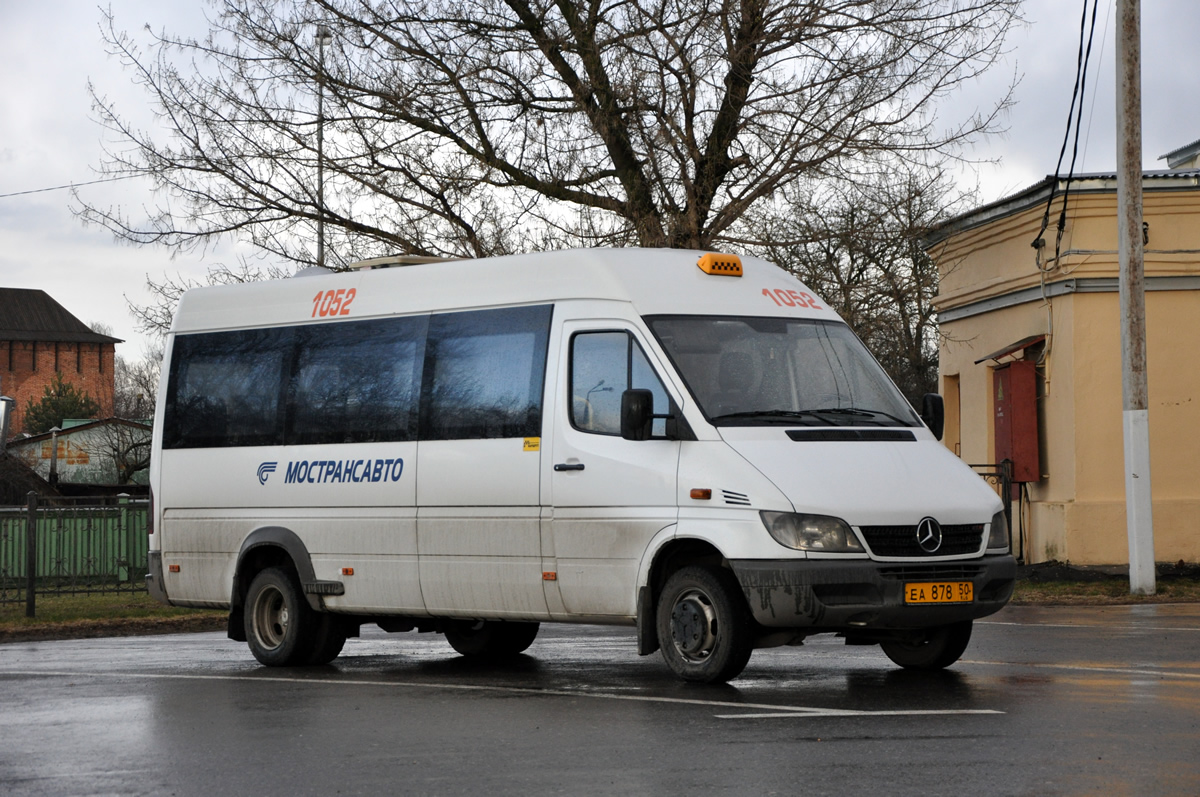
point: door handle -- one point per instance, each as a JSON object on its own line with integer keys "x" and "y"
{"x": 576, "y": 466}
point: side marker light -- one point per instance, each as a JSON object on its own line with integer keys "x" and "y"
{"x": 701, "y": 494}
{"x": 347, "y": 571}
{"x": 549, "y": 575}
{"x": 172, "y": 568}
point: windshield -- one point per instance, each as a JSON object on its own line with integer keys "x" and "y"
{"x": 772, "y": 371}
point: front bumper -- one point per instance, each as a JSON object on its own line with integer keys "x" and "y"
{"x": 862, "y": 594}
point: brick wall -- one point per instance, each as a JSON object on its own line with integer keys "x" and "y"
{"x": 27, "y": 368}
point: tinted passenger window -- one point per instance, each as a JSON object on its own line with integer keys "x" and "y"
{"x": 225, "y": 389}
{"x": 357, "y": 382}
{"x": 484, "y": 372}
{"x": 603, "y": 366}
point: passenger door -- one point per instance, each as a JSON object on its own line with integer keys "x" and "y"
{"x": 610, "y": 495}
{"x": 478, "y": 491}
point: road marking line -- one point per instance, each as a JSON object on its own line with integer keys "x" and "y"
{"x": 776, "y": 711}
{"x": 846, "y": 713}
{"x": 1089, "y": 626}
{"x": 1086, "y": 668}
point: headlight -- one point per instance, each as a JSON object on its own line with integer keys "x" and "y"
{"x": 998, "y": 539}
{"x": 811, "y": 532}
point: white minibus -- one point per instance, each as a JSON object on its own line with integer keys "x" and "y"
{"x": 686, "y": 442}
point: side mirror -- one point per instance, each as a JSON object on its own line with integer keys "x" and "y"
{"x": 933, "y": 413}
{"x": 637, "y": 414}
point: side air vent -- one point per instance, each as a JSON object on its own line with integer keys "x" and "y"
{"x": 737, "y": 499}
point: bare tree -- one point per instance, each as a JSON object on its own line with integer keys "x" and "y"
{"x": 135, "y": 382}
{"x": 124, "y": 444}
{"x": 859, "y": 245}
{"x": 476, "y": 127}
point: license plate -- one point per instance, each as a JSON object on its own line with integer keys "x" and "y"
{"x": 939, "y": 592}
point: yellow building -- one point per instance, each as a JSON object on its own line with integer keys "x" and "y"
{"x": 1009, "y": 311}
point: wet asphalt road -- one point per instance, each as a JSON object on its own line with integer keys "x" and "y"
{"x": 1046, "y": 701}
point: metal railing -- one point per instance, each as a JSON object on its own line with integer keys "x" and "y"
{"x": 72, "y": 546}
{"x": 1000, "y": 476}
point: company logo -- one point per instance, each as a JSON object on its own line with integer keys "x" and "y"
{"x": 929, "y": 535}
{"x": 327, "y": 471}
{"x": 265, "y": 470}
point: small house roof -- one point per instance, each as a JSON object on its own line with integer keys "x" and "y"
{"x": 32, "y": 314}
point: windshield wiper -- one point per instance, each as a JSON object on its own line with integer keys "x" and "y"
{"x": 781, "y": 415}
{"x": 862, "y": 414}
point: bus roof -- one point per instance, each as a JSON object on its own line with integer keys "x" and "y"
{"x": 654, "y": 281}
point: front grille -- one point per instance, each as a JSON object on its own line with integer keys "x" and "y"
{"x": 946, "y": 572}
{"x": 902, "y": 540}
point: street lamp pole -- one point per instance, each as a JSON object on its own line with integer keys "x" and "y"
{"x": 323, "y": 37}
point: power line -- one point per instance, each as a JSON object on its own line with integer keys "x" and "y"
{"x": 1074, "y": 118}
{"x": 68, "y": 185}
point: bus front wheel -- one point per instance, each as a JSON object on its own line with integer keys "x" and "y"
{"x": 704, "y": 627}
{"x": 933, "y": 649}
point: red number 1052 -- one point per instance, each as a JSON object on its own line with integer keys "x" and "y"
{"x": 784, "y": 298}
{"x": 327, "y": 303}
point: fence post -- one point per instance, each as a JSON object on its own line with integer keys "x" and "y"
{"x": 31, "y": 554}
{"x": 124, "y": 535}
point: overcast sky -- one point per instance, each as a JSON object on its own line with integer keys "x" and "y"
{"x": 49, "y": 49}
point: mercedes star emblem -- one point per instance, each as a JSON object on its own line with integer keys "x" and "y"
{"x": 929, "y": 535}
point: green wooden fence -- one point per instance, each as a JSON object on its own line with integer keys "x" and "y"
{"x": 80, "y": 546}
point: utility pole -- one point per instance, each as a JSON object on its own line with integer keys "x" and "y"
{"x": 322, "y": 38}
{"x": 1139, "y": 517}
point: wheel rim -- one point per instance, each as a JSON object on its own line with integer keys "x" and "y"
{"x": 270, "y": 617}
{"x": 694, "y": 625}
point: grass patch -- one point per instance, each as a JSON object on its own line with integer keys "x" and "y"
{"x": 1106, "y": 592}
{"x": 105, "y": 614}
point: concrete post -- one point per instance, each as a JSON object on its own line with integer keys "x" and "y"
{"x": 1139, "y": 517}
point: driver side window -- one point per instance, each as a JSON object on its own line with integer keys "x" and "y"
{"x": 603, "y": 366}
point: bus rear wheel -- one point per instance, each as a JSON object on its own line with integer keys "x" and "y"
{"x": 933, "y": 649}
{"x": 279, "y": 622}
{"x": 490, "y": 639}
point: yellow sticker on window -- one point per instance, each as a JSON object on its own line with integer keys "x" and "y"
{"x": 533, "y": 444}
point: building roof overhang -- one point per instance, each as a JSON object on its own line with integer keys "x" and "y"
{"x": 1012, "y": 348}
{"x": 1038, "y": 193}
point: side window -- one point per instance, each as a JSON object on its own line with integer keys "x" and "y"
{"x": 225, "y": 388}
{"x": 603, "y": 366}
{"x": 484, "y": 374}
{"x": 356, "y": 382}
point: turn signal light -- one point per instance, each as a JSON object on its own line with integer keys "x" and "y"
{"x": 701, "y": 494}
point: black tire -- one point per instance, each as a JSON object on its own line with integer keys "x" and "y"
{"x": 490, "y": 639}
{"x": 328, "y": 641}
{"x": 704, "y": 628}
{"x": 279, "y": 623}
{"x": 933, "y": 649}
